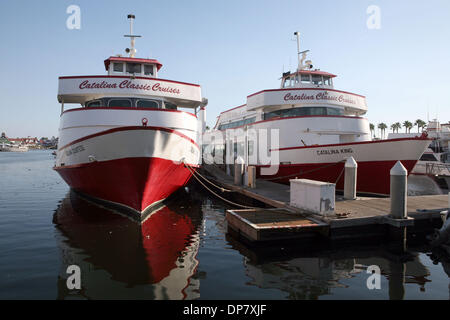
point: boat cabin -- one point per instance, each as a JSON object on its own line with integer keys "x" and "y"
{"x": 120, "y": 66}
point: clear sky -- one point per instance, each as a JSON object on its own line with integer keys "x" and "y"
{"x": 232, "y": 49}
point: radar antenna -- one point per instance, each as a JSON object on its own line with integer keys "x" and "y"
{"x": 131, "y": 51}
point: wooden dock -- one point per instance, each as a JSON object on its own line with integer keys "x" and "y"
{"x": 273, "y": 224}
{"x": 363, "y": 217}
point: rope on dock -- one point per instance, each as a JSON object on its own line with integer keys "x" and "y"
{"x": 194, "y": 174}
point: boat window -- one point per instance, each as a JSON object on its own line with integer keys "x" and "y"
{"x": 286, "y": 82}
{"x": 133, "y": 68}
{"x": 428, "y": 157}
{"x": 327, "y": 81}
{"x": 147, "y": 104}
{"x": 170, "y": 106}
{"x": 316, "y": 79}
{"x": 335, "y": 112}
{"x": 236, "y": 124}
{"x": 148, "y": 69}
{"x": 318, "y": 111}
{"x": 118, "y": 67}
{"x": 305, "y": 78}
{"x": 121, "y": 103}
{"x": 94, "y": 104}
{"x": 303, "y": 112}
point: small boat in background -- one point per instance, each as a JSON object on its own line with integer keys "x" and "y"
{"x": 4, "y": 147}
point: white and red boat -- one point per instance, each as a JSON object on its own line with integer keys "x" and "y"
{"x": 319, "y": 127}
{"x": 127, "y": 140}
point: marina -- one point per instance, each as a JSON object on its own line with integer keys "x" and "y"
{"x": 36, "y": 254}
{"x": 233, "y": 154}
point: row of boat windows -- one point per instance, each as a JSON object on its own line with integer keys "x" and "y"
{"x": 293, "y": 112}
{"x": 133, "y": 68}
{"x": 130, "y": 103}
{"x": 319, "y": 80}
{"x": 236, "y": 124}
{"x": 304, "y": 111}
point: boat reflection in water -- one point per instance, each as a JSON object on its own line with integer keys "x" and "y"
{"x": 319, "y": 274}
{"x": 120, "y": 258}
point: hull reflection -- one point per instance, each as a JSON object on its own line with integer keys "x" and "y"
{"x": 315, "y": 273}
{"x": 120, "y": 258}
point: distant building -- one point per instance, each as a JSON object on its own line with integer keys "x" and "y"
{"x": 4, "y": 139}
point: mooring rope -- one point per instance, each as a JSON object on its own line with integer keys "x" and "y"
{"x": 217, "y": 195}
{"x": 206, "y": 179}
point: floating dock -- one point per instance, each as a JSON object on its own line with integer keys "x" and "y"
{"x": 360, "y": 218}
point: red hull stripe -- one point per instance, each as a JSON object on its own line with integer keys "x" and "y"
{"x": 350, "y": 143}
{"x": 133, "y": 182}
{"x": 124, "y": 77}
{"x": 129, "y": 129}
{"x": 233, "y": 108}
{"x": 291, "y": 89}
{"x": 373, "y": 177}
{"x": 128, "y": 109}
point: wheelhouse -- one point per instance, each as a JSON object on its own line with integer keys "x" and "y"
{"x": 120, "y": 66}
{"x": 307, "y": 79}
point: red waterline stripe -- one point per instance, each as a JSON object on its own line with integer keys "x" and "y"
{"x": 129, "y": 129}
{"x": 125, "y": 108}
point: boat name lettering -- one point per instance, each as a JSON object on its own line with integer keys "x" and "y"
{"x": 334, "y": 151}
{"x": 127, "y": 84}
{"x": 74, "y": 150}
{"x": 95, "y": 85}
{"x": 321, "y": 96}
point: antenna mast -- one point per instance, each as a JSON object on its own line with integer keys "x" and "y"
{"x": 300, "y": 53}
{"x": 131, "y": 50}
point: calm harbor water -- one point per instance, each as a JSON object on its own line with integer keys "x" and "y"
{"x": 182, "y": 251}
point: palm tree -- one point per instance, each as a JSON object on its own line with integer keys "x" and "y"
{"x": 396, "y": 126}
{"x": 407, "y": 125}
{"x": 372, "y": 129}
{"x": 420, "y": 124}
{"x": 382, "y": 126}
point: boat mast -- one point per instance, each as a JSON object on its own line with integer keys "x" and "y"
{"x": 131, "y": 50}
{"x": 301, "y": 54}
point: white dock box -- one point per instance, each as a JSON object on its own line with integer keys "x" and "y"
{"x": 313, "y": 196}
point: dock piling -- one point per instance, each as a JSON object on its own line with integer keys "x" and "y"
{"x": 399, "y": 191}
{"x": 350, "y": 168}
{"x": 251, "y": 174}
{"x": 238, "y": 171}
